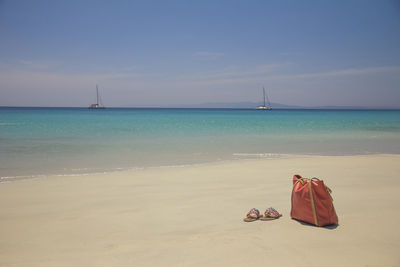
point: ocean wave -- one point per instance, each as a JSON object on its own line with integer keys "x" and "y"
{"x": 261, "y": 155}
{"x": 67, "y": 173}
{"x": 10, "y": 123}
{"x": 390, "y": 128}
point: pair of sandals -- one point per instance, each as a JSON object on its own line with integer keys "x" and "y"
{"x": 269, "y": 214}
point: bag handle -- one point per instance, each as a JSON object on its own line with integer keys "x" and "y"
{"x": 304, "y": 180}
{"x": 327, "y": 188}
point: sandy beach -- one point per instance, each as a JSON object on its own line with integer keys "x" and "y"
{"x": 192, "y": 216}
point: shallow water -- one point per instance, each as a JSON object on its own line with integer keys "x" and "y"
{"x": 66, "y": 141}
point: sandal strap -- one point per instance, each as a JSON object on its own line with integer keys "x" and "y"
{"x": 271, "y": 212}
{"x": 253, "y": 213}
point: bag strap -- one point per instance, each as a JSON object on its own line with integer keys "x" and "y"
{"x": 326, "y": 187}
{"x": 313, "y": 204}
{"x": 309, "y": 181}
{"x": 301, "y": 180}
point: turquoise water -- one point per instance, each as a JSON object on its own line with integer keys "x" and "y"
{"x": 40, "y": 141}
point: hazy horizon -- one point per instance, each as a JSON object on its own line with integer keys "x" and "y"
{"x": 160, "y": 54}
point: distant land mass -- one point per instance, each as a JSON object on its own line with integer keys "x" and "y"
{"x": 253, "y": 105}
{"x": 228, "y": 105}
{"x": 238, "y": 105}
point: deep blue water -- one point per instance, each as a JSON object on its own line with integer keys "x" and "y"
{"x": 72, "y": 140}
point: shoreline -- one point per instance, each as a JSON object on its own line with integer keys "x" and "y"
{"x": 237, "y": 157}
{"x": 177, "y": 215}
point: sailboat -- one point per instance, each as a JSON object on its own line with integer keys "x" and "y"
{"x": 97, "y": 105}
{"x": 264, "y": 107}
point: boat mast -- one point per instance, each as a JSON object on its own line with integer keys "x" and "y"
{"x": 97, "y": 94}
{"x": 264, "y": 95}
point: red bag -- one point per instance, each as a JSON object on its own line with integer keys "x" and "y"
{"x": 312, "y": 202}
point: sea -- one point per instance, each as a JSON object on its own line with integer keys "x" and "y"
{"x": 37, "y": 142}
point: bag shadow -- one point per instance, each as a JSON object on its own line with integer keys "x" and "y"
{"x": 329, "y": 227}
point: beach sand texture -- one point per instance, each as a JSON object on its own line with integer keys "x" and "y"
{"x": 192, "y": 216}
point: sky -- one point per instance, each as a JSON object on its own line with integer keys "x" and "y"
{"x": 166, "y": 53}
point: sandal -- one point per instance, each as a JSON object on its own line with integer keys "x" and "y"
{"x": 252, "y": 215}
{"x": 270, "y": 214}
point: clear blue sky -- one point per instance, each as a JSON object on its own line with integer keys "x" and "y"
{"x": 152, "y": 53}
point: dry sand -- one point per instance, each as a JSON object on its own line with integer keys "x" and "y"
{"x": 192, "y": 216}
